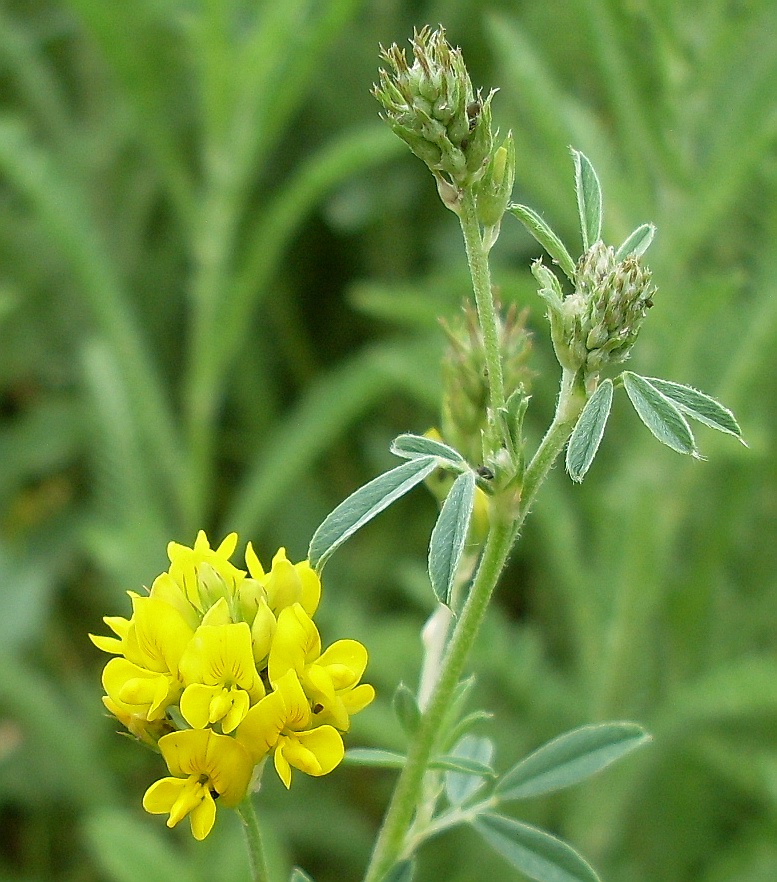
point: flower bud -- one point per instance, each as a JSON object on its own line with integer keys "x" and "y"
{"x": 496, "y": 186}
{"x": 433, "y": 107}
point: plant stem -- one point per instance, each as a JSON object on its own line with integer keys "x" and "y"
{"x": 390, "y": 844}
{"x": 253, "y": 834}
{"x": 403, "y": 802}
{"x": 477, "y": 257}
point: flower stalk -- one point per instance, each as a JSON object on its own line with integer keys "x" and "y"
{"x": 253, "y": 835}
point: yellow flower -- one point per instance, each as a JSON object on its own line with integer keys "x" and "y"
{"x": 220, "y": 676}
{"x": 330, "y": 680}
{"x": 203, "y": 764}
{"x": 286, "y": 583}
{"x": 280, "y": 723}
{"x": 204, "y": 575}
{"x": 145, "y": 681}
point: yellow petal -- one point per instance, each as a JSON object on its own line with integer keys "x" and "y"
{"x": 262, "y": 631}
{"x": 218, "y": 614}
{"x": 262, "y": 725}
{"x": 283, "y": 584}
{"x": 296, "y": 703}
{"x": 345, "y": 661}
{"x": 282, "y": 766}
{"x": 311, "y": 586}
{"x": 161, "y": 795}
{"x": 295, "y": 644}
{"x": 357, "y": 699}
{"x": 315, "y": 752}
{"x": 221, "y": 655}
{"x": 195, "y": 704}
{"x": 203, "y": 817}
{"x": 252, "y": 562}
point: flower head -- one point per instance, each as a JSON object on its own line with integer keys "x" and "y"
{"x": 433, "y": 107}
{"x": 219, "y": 666}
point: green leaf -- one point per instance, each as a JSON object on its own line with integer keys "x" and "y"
{"x": 570, "y": 758}
{"x": 659, "y": 414}
{"x": 449, "y": 536}
{"x": 406, "y": 709}
{"x": 534, "y": 852}
{"x": 362, "y": 506}
{"x": 298, "y": 875}
{"x": 700, "y": 407}
{"x": 414, "y": 446}
{"x": 545, "y": 236}
{"x": 401, "y": 872}
{"x": 128, "y": 850}
{"x": 372, "y": 756}
{"x": 390, "y": 759}
{"x": 588, "y": 431}
{"x": 637, "y": 243}
{"x": 459, "y": 787}
{"x": 589, "y": 199}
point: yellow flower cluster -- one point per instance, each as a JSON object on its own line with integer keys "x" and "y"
{"x": 218, "y": 668}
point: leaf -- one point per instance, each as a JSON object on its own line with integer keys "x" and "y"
{"x": 298, "y": 875}
{"x": 390, "y": 759}
{"x": 362, "y": 506}
{"x": 589, "y": 199}
{"x": 534, "y": 852}
{"x": 414, "y": 446}
{"x": 588, "y": 431}
{"x": 659, "y": 414}
{"x": 700, "y": 407}
{"x": 401, "y": 872}
{"x": 372, "y": 756}
{"x": 460, "y": 787}
{"x": 450, "y": 535}
{"x": 570, "y": 758}
{"x": 637, "y": 243}
{"x": 545, "y": 236}
{"x": 406, "y": 709}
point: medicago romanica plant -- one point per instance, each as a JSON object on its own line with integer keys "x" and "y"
{"x": 219, "y": 668}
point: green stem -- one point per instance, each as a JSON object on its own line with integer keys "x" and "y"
{"x": 253, "y": 834}
{"x": 391, "y": 842}
{"x": 477, "y": 257}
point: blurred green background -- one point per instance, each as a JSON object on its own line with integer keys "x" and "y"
{"x": 219, "y": 283}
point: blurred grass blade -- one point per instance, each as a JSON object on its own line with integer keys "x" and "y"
{"x": 589, "y": 431}
{"x": 364, "y": 504}
{"x": 659, "y": 414}
{"x": 450, "y": 535}
{"x": 570, "y": 759}
{"x": 128, "y": 850}
{"x": 699, "y": 406}
{"x": 71, "y": 228}
{"x": 589, "y": 199}
{"x": 534, "y": 852}
{"x": 324, "y": 412}
{"x": 537, "y": 226}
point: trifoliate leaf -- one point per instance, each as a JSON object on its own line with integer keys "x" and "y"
{"x": 366, "y": 502}
{"x": 588, "y": 431}
{"x": 659, "y": 414}
{"x": 637, "y": 243}
{"x": 570, "y": 758}
{"x": 545, "y": 236}
{"x": 699, "y": 406}
{"x": 589, "y": 199}
{"x": 532, "y": 851}
{"x": 449, "y": 536}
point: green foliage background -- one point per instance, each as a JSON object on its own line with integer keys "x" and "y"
{"x": 219, "y": 283}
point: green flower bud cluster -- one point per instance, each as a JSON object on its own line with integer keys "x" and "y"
{"x": 433, "y": 107}
{"x": 465, "y": 379}
{"x": 597, "y": 324}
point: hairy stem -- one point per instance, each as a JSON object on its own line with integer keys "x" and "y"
{"x": 253, "y": 834}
